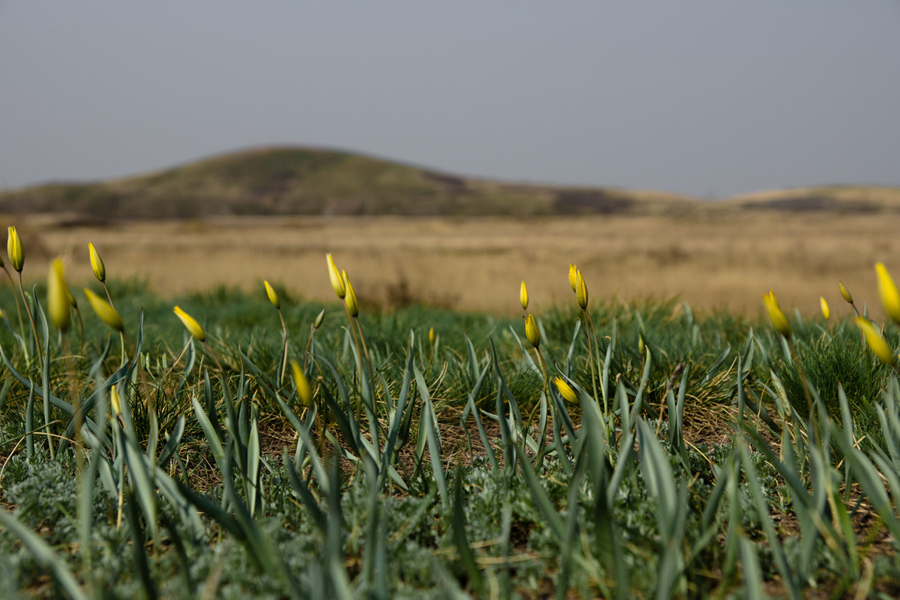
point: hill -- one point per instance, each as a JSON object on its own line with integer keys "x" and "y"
{"x": 301, "y": 181}
{"x": 304, "y": 181}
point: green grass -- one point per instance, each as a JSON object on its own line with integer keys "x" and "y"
{"x": 422, "y": 476}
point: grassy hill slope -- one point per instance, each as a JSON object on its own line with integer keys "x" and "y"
{"x": 303, "y": 181}
{"x": 299, "y": 181}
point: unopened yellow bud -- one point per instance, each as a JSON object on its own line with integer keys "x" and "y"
{"x": 890, "y": 297}
{"x": 57, "y": 297}
{"x": 304, "y": 391}
{"x": 97, "y": 264}
{"x": 350, "y": 296}
{"x": 845, "y": 293}
{"x": 573, "y": 276}
{"x": 641, "y": 345}
{"x": 190, "y": 324}
{"x": 107, "y": 313}
{"x": 337, "y": 283}
{"x": 581, "y": 292}
{"x": 779, "y": 321}
{"x": 531, "y": 331}
{"x": 115, "y": 401}
{"x": 273, "y": 296}
{"x": 876, "y": 342}
{"x": 826, "y": 312}
{"x": 319, "y": 319}
{"x": 523, "y": 296}
{"x": 14, "y": 250}
{"x": 431, "y": 337}
{"x": 565, "y": 390}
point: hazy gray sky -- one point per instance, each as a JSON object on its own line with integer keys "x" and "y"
{"x": 699, "y": 97}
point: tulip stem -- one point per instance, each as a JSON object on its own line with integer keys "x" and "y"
{"x": 592, "y": 342}
{"x": 215, "y": 358}
{"x": 308, "y": 346}
{"x": 18, "y": 306}
{"x": 108, "y": 296}
{"x": 284, "y": 362}
{"x": 81, "y": 329}
{"x": 37, "y": 344}
{"x": 546, "y": 391}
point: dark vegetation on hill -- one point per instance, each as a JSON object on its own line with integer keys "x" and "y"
{"x": 303, "y": 181}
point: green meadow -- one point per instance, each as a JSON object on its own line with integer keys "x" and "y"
{"x": 343, "y": 450}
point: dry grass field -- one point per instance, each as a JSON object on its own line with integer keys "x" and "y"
{"x": 716, "y": 260}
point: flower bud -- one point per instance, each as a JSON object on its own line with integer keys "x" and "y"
{"x": 304, "y": 391}
{"x": 273, "y": 296}
{"x": 58, "y": 305}
{"x": 565, "y": 390}
{"x": 107, "y": 313}
{"x": 190, "y": 324}
{"x": 319, "y": 319}
{"x": 826, "y": 312}
{"x": 350, "y": 296}
{"x": 97, "y": 264}
{"x": 890, "y": 297}
{"x": 114, "y": 400}
{"x": 14, "y": 250}
{"x": 523, "y": 296}
{"x": 573, "y": 276}
{"x": 779, "y": 321}
{"x": 431, "y": 337}
{"x": 531, "y": 331}
{"x": 581, "y": 293}
{"x": 337, "y": 283}
{"x": 876, "y": 342}
{"x": 845, "y": 293}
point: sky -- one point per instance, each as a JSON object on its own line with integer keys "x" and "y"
{"x": 709, "y": 98}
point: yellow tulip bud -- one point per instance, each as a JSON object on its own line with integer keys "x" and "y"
{"x": 876, "y": 342}
{"x": 581, "y": 292}
{"x": 114, "y": 400}
{"x": 573, "y": 276}
{"x": 779, "y": 321}
{"x": 107, "y": 313}
{"x": 845, "y": 293}
{"x": 304, "y": 391}
{"x": 826, "y": 312}
{"x": 350, "y": 296}
{"x": 431, "y": 336}
{"x": 14, "y": 250}
{"x": 641, "y": 345}
{"x": 565, "y": 390}
{"x": 190, "y": 324}
{"x": 57, "y": 297}
{"x": 97, "y": 264}
{"x": 531, "y": 331}
{"x": 319, "y": 319}
{"x": 523, "y": 296}
{"x": 890, "y": 297}
{"x": 273, "y": 296}
{"x": 337, "y": 283}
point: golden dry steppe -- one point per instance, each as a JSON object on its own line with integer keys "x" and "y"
{"x": 714, "y": 261}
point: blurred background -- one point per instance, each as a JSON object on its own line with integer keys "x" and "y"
{"x": 612, "y": 120}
